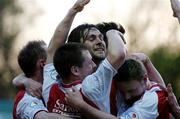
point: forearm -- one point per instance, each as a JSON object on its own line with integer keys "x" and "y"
{"x": 19, "y": 81}
{"x": 116, "y": 49}
{"x": 62, "y": 30}
{"x": 153, "y": 74}
{"x": 46, "y": 115}
{"x": 60, "y": 34}
{"x": 92, "y": 113}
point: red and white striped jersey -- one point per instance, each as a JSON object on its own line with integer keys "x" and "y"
{"x": 26, "y": 106}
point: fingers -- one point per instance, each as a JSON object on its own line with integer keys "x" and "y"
{"x": 84, "y": 2}
{"x": 34, "y": 92}
{"x": 171, "y": 97}
{"x": 73, "y": 93}
{"x": 37, "y": 94}
{"x": 74, "y": 89}
{"x": 122, "y": 37}
{"x": 170, "y": 91}
{"x": 169, "y": 88}
{"x": 162, "y": 87}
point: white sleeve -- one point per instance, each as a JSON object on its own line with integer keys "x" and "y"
{"x": 50, "y": 78}
{"x": 96, "y": 87}
{"x": 146, "y": 108}
{"x": 29, "y": 106}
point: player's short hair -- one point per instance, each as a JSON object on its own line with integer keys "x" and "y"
{"x": 131, "y": 70}
{"x": 30, "y": 54}
{"x": 66, "y": 56}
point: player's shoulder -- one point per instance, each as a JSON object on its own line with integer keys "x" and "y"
{"x": 149, "y": 99}
{"x": 27, "y": 98}
{"x": 20, "y": 95}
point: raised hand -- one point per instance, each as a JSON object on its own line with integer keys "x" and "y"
{"x": 140, "y": 56}
{"x": 79, "y": 5}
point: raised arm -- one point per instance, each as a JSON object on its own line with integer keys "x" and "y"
{"x": 57, "y": 40}
{"x": 116, "y": 49}
{"x": 32, "y": 87}
{"x": 175, "y": 5}
{"x": 63, "y": 28}
{"x": 153, "y": 74}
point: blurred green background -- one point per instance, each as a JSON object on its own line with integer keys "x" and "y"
{"x": 146, "y": 21}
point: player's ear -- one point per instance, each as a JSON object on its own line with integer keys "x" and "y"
{"x": 146, "y": 77}
{"x": 42, "y": 62}
{"x": 75, "y": 70}
{"x": 145, "y": 80}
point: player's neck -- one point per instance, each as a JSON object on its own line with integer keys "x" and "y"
{"x": 38, "y": 76}
{"x": 70, "y": 79}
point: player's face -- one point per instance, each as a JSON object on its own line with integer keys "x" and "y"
{"x": 132, "y": 90}
{"x": 95, "y": 42}
{"x": 88, "y": 66}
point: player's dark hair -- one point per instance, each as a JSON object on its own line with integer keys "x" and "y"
{"x": 30, "y": 54}
{"x": 66, "y": 56}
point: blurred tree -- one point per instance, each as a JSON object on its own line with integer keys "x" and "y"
{"x": 144, "y": 25}
{"x": 15, "y": 14}
{"x": 168, "y": 64}
{"x": 8, "y": 8}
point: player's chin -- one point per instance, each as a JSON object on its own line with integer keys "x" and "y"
{"x": 100, "y": 56}
{"x": 100, "y": 53}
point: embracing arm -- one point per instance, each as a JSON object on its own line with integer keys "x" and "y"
{"x": 116, "y": 49}
{"x": 153, "y": 74}
{"x": 75, "y": 100}
{"x": 32, "y": 87}
{"x": 93, "y": 113}
{"x": 46, "y": 115}
{"x": 19, "y": 82}
{"x": 63, "y": 28}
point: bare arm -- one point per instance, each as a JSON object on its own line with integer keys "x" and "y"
{"x": 116, "y": 49}
{"x": 63, "y": 28}
{"x": 75, "y": 100}
{"x": 32, "y": 87}
{"x": 175, "y": 108}
{"x": 18, "y": 82}
{"x": 59, "y": 37}
{"x": 153, "y": 74}
{"x": 175, "y": 5}
{"x": 46, "y": 115}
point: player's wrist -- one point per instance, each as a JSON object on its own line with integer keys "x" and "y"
{"x": 25, "y": 82}
{"x": 73, "y": 11}
{"x": 147, "y": 61}
{"x": 82, "y": 106}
